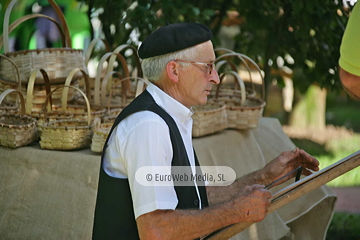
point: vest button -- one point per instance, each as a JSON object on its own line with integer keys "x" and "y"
{"x": 196, "y": 202}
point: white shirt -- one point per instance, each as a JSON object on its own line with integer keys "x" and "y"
{"x": 129, "y": 149}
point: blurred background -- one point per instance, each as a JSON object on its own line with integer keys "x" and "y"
{"x": 296, "y": 44}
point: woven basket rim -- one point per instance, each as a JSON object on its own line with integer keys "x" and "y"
{"x": 8, "y": 82}
{"x": 50, "y": 50}
{"x": 31, "y": 121}
{"x": 97, "y": 109}
{"x": 261, "y": 102}
{"x": 215, "y": 109}
{"x": 103, "y": 129}
{"x": 50, "y": 125}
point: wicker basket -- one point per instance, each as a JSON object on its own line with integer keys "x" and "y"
{"x": 88, "y": 54}
{"x": 57, "y": 62}
{"x": 79, "y": 111}
{"x": 243, "y": 112}
{"x": 66, "y": 134}
{"x": 116, "y": 105}
{"x": 98, "y": 80}
{"x": 245, "y": 60}
{"x": 222, "y": 60}
{"x": 123, "y": 48}
{"x": 16, "y": 130}
{"x": 208, "y": 119}
{"x": 127, "y": 91}
{"x": 101, "y": 132}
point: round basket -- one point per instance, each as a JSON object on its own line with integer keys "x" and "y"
{"x": 243, "y": 112}
{"x": 114, "y": 107}
{"x": 236, "y": 89}
{"x": 245, "y": 60}
{"x": 66, "y": 134}
{"x": 100, "y": 134}
{"x": 16, "y": 130}
{"x": 36, "y": 112}
{"x": 57, "y": 62}
{"x": 79, "y": 111}
{"x": 208, "y": 119}
{"x": 97, "y": 87}
{"x": 89, "y": 61}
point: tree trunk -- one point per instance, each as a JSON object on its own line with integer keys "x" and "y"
{"x": 309, "y": 111}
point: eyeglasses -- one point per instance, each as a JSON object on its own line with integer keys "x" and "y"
{"x": 209, "y": 66}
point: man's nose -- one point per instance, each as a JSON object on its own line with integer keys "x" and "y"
{"x": 214, "y": 77}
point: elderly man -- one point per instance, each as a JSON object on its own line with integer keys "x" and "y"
{"x": 155, "y": 130}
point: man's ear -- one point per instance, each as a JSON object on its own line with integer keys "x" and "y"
{"x": 172, "y": 71}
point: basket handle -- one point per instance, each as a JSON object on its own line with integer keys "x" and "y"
{"x": 91, "y": 47}
{"x": 239, "y": 80}
{"x": 110, "y": 68}
{"x": 233, "y": 67}
{"x": 66, "y": 87}
{"x": 136, "y": 57}
{"x": 117, "y": 84}
{"x": 30, "y": 89}
{"x": 97, "y": 122}
{"x": 139, "y": 87}
{"x": 28, "y": 17}
{"x": 242, "y": 57}
{"x": 22, "y": 101}
{"x": 226, "y": 50}
{"x": 17, "y": 71}
{"x": 124, "y": 65}
{"x": 68, "y": 80}
{"x": 7, "y": 19}
{"x": 259, "y": 70}
{"x": 234, "y": 54}
{"x": 62, "y": 20}
{"x": 104, "y": 84}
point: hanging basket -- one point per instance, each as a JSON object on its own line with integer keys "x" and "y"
{"x": 57, "y": 62}
{"x": 243, "y": 112}
{"x": 208, "y": 119}
{"x": 16, "y": 130}
{"x": 67, "y": 134}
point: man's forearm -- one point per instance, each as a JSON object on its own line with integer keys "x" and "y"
{"x": 187, "y": 224}
{"x": 218, "y": 194}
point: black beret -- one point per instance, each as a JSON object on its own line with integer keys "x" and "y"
{"x": 174, "y": 37}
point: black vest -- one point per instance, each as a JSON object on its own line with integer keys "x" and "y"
{"x": 114, "y": 215}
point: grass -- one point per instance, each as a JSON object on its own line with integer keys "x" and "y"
{"x": 340, "y": 112}
{"x": 332, "y": 152}
{"x": 344, "y": 226}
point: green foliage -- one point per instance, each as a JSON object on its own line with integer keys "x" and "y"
{"x": 144, "y": 17}
{"x": 308, "y": 31}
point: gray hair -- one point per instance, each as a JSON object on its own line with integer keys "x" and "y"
{"x": 154, "y": 67}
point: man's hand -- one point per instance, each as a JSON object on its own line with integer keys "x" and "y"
{"x": 252, "y": 203}
{"x": 288, "y": 161}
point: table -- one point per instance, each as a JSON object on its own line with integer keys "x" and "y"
{"x": 46, "y": 194}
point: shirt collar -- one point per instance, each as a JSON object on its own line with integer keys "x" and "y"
{"x": 169, "y": 104}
